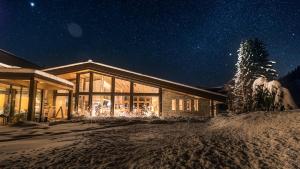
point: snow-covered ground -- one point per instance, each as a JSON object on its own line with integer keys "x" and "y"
{"x": 257, "y": 140}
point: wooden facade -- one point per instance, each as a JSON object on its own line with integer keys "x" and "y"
{"x": 90, "y": 88}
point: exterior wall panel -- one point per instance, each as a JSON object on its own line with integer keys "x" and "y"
{"x": 168, "y": 96}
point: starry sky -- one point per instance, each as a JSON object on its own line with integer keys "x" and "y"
{"x": 190, "y": 41}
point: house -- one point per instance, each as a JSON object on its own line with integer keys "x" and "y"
{"x": 92, "y": 89}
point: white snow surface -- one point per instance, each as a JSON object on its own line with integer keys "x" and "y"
{"x": 254, "y": 140}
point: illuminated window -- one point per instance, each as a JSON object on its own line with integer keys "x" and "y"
{"x": 4, "y": 99}
{"x": 173, "y": 104}
{"x": 61, "y": 107}
{"x": 122, "y": 86}
{"x": 188, "y": 105}
{"x": 140, "y": 88}
{"x": 84, "y": 82}
{"x": 83, "y": 106}
{"x": 146, "y": 105}
{"x": 196, "y": 105}
{"x": 122, "y": 107}
{"x": 101, "y": 83}
{"x": 38, "y": 101}
{"x": 101, "y": 106}
{"x": 180, "y": 104}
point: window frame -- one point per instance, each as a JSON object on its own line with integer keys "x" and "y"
{"x": 181, "y": 106}
{"x": 173, "y": 104}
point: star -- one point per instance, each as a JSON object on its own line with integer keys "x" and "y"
{"x": 230, "y": 54}
{"x": 32, "y": 4}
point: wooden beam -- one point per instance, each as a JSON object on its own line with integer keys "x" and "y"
{"x": 147, "y": 94}
{"x": 42, "y": 105}
{"x": 77, "y": 91}
{"x": 131, "y": 96}
{"x": 160, "y": 101}
{"x": 112, "y": 96}
{"x": 70, "y": 101}
{"x": 54, "y": 102}
{"x": 212, "y": 108}
{"x": 31, "y": 101}
{"x": 91, "y": 92}
{"x": 11, "y": 101}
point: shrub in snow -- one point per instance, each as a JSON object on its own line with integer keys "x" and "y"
{"x": 270, "y": 96}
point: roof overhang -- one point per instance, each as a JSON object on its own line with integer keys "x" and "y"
{"x": 119, "y": 72}
{"x": 27, "y": 74}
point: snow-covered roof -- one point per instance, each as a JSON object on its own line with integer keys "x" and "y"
{"x": 139, "y": 74}
{"x": 7, "y": 66}
{"x": 38, "y": 72}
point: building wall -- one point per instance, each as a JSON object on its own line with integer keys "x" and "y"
{"x": 204, "y": 108}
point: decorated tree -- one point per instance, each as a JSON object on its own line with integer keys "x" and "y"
{"x": 252, "y": 63}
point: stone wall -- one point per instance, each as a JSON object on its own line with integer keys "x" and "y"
{"x": 204, "y": 108}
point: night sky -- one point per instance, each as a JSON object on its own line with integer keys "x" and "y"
{"x": 192, "y": 42}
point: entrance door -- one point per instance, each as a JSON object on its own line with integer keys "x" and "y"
{"x": 61, "y": 107}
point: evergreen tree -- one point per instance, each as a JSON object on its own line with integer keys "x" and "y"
{"x": 252, "y": 63}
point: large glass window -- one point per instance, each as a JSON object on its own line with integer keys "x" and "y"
{"x": 84, "y": 82}
{"x": 23, "y": 107}
{"x": 4, "y": 99}
{"x": 122, "y": 106}
{"x": 61, "y": 107}
{"x": 18, "y": 100}
{"x": 146, "y": 105}
{"x": 38, "y": 101}
{"x": 140, "y": 88}
{"x": 83, "y": 105}
{"x": 101, "y": 83}
{"x": 101, "y": 106}
{"x": 122, "y": 86}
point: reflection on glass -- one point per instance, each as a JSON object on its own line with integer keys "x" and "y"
{"x": 101, "y": 83}
{"x": 4, "y": 99}
{"x": 61, "y": 107}
{"x": 196, "y": 105}
{"x": 180, "y": 104}
{"x": 122, "y": 107}
{"x": 146, "y": 106}
{"x": 38, "y": 100}
{"x": 101, "y": 106}
{"x": 84, "y": 82}
{"x": 122, "y": 86}
{"x": 83, "y": 106}
{"x": 24, "y": 102}
{"x": 188, "y": 105}
{"x": 140, "y": 88}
